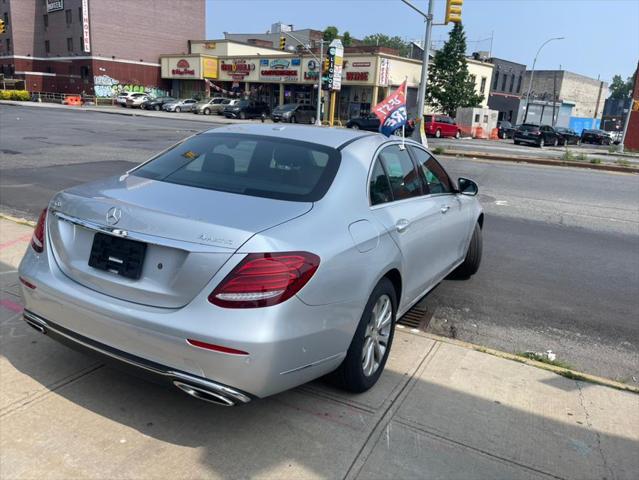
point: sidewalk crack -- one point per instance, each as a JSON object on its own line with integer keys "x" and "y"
{"x": 582, "y": 402}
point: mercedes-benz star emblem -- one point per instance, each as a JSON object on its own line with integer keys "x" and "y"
{"x": 113, "y": 215}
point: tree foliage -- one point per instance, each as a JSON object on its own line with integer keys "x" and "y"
{"x": 330, "y": 33}
{"x": 620, "y": 89}
{"x": 449, "y": 84}
{"x": 382, "y": 40}
{"x": 347, "y": 40}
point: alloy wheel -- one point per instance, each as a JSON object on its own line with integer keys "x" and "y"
{"x": 376, "y": 335}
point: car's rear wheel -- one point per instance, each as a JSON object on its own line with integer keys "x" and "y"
{"x": 312, "y": 120}
{"x": 471, "y": 263}
{"x": 371, "y": 344}
{"x": 207, "y": 111}
{"x": 354, "y": 126}
{"x": 157, "y": 108}
{"x": 438, "y": 133}
{"x": 458, "y": 135}
{"x": 542, "y": 142}
{"x": 293, "y": 119}
{"x": 516, "y": 142}
{"x": 178, "y": 109}
{"x": 243, "y": 115}
{"x": 555, "y": 143}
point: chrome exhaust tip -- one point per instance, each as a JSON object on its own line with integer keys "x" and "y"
{"x": 204, "y": 394}
{"x": 34, "y": 323}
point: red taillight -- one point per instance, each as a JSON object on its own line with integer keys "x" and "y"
{"x": 265, "y": 279}
{"x": 37, "y": 239}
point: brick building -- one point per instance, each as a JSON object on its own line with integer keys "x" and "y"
{"x": 632, "y": 135}
{"x": 95, "y": 46}
{"x": 506, "y": 88}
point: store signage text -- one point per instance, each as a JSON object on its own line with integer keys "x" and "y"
{"x": 238, "y": 69}
{"x": 55, "y": 5}
{"x": 279, "y": 73}
{"x": 357, "y": 76}
{"x": 183, "y": 68}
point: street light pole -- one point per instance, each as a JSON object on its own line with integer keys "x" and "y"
{"x": 418, "y": 133}
{"x": 625, "y": 125}
{"x": 318, "y": 112}
{"x": 532, "y": 74}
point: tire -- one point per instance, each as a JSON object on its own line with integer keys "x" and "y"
{"x": 178, "y": 109}
{"x": 471, "y": 263}
{"x": 312, "y": 120}
{"x": 555, "y": 143}
{"x": 542, "y": 142}
{"x": 242, "y": 115}
{"x": 458, "y": 135}
{"x": 516, "y": 142}
{"x": 438, "y": 133}
{"x": 207, "y": 111}
{"x": 351, "y": 375}
{"x": 293, "y": 119}
{"x": 354, "y": 126}
{"x": 157, "y": 108}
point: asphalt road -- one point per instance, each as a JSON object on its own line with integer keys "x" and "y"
{"x": 561, "y": 246}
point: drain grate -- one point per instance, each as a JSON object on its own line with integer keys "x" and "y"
{"x": 416, "y": 317}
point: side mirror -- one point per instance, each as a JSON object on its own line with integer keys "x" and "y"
{"x": 467, "y": 187}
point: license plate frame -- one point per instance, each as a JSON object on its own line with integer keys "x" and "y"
{"x": 122, "y": 256}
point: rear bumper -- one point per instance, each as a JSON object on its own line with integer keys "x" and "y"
{"x": 532, "y": 140}
{"x": 203, "y": 388}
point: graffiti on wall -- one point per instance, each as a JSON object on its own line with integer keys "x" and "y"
{"x": 107, "y": 87}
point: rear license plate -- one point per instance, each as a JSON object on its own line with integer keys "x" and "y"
{"x": 118, "y": 255}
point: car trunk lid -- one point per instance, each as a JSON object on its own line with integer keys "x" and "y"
{"x": 188, "y": 234}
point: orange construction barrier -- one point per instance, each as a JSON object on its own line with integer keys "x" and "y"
{"x": 494, "y": 134}
{"x": 74, "y": 100}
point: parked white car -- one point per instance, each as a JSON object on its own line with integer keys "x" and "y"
{"x": 122, "y": 98}
{"x": 135, "y": 100}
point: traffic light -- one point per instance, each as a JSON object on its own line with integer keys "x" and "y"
{"x": 282, "y": 42}
{"x": 3, "y": 27}
{"x": 453, "y": 11}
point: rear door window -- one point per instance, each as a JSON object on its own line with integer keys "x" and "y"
{"x": 403, "y": 178}
{"x": 431, "y": 172}
{"x": 379, "y": 187}
{"x": 248, "y": 165}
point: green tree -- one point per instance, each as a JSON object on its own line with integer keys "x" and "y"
{"x": 620, "y": 89}
{"x": 347, "y": 40}
{"x": 382, "y": 40}
{"x": 330, "y": 33}
{"x": 449, "y": 84}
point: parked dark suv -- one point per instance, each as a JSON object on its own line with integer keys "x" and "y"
{"x": 567, "y": 136}
{"x": 247, "y": 109}
{"x": 536, "y": 135}
{"x": 294, "y": 113}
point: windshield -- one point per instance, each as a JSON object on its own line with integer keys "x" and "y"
{"x": 248, "y": 165}
{"x": 287, "y": 107}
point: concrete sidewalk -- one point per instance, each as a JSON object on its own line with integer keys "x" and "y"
{"x": 439, "y": 411}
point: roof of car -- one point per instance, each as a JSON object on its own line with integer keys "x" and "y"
{"x": 330, "y": 137}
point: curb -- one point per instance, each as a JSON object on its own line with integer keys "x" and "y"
{"x": 540, "y": 161}
{"x": 564, "y": 372}
{"x": 21, "y": 221}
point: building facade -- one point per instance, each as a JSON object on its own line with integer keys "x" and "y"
{"x": 94, "y": 46}
{"x": 305, "y": 36}
{"x": 506, "y": 88}
{"x": 576, "y": 100}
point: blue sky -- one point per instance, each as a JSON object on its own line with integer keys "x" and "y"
{"x": 602, "y": 36}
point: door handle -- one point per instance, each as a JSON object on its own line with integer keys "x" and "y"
{"x": 402, "y": 225}
{"x": 444, "y": 208}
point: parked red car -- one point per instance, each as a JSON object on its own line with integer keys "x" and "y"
{"x": 441, "y": 126}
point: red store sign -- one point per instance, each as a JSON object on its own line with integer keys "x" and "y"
{"x": 357, "y": 76}
{"x": 183, "y": 68}
{"x": 279, "y": 73}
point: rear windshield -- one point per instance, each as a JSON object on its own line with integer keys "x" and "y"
{"x": 529, "y": 128}
{"x": 428, "y": 118}
{"x": 248, "y": 165}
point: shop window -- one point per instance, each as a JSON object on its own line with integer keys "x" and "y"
{"x": 69, "y": 16}
{"x": 70, "y": 44}
{"x": 47, "y": 46}
{"x": 477, "y": 118}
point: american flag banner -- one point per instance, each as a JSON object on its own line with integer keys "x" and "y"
{"x": 392, "y": 112}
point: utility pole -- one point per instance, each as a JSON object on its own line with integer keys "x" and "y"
{"x": 625, "y": 124}
{"x": 554, "y": 97}
{"x": 418, "y": 133}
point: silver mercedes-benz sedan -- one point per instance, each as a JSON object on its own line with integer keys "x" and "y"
{"x": 250, "y": 259}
